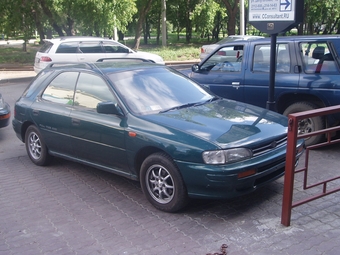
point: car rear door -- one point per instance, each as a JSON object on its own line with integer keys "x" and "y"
{"x": 257, "y": 79}
{"x": 223, "y": 72}
{"x": 320, "y": 70}
{"x": 97, "y": 138}
{"x": 90, "y": 51}
{"x": 51, "y": 112}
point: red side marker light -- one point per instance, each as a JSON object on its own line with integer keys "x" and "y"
{"x": 132, "y": 134}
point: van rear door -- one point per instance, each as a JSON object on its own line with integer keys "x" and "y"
{"x": 90, "y": 51}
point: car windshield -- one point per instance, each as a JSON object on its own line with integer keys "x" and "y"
{"x": 149, "y": 91}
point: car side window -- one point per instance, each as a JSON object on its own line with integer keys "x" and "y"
{"x": 68, "y": 47}
{"x": 261, "y": 58}
{"x": 90, "y": 47}
{"x": 61, "y": 88}
{"x": 318, "y": 58}
{"x": 226, "y": 59}
{"x": 91, "y": 90}
{"x": 114, "y": 48}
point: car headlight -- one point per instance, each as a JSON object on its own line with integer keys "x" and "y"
{"x": 226, "y": 156}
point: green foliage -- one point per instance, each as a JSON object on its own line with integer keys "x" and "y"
{"x": 203, "y": 16}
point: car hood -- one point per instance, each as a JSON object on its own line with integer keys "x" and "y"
{"x": 225, "y": 123}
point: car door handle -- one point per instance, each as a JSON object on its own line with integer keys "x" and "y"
{"x": 235, "y": 84}
{"x": 35, "y": 113}
{"x": 75, "y": 122}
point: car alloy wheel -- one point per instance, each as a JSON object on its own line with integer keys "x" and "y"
{"x": 35, "y": 146}
{"x": 162, "y": 183}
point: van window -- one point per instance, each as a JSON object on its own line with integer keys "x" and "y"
{"x": 68, "y": 47}
{"x": 317, "y": 58}
{"x": 226, "y": 59}
{"x": 90, "y": 47}
{"x": 261, "y": 58}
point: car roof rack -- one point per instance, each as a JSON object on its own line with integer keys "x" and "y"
{"x": 70, "y": 64}
{"x": 124, "y": 60}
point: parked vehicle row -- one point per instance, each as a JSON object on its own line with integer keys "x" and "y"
{"x": 153, "y": 124}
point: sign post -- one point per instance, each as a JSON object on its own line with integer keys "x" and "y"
{"x": 273, "y": 17}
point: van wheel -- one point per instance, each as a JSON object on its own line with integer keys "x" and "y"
{"x": 307, "y": 125}
{"x": 162, "y": 183}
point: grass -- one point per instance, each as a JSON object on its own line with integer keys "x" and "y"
{"x": 16, "y": 55}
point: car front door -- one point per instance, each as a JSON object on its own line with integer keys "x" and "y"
{"x": 223, "y": 72}
{"x": 97, "y": 138}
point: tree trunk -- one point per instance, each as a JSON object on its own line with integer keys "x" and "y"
{"x": 139, "y": 28}
{"x": 232, "y": 11}
{"x": 49, "y": 14}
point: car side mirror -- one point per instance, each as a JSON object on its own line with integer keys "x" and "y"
{"x": 195, "y": 68}
{"x": 109, "y": 108}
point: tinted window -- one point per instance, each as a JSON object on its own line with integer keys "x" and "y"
{"x": 114, "y": 48}
{"x": 46, "y": 47}
{"x": 61, "y": 88}
{"x": 226, "y": 59}
{"x": 318, "y": 58}
{"x": 261, "y": 58}
{"x": 68, "y": 47}
{"x": 90, "y": 47}
{"x": 91, "y": 90}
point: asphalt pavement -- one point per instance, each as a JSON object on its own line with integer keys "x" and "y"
{"x": 68, "y": 208}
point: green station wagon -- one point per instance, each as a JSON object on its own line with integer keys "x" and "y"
{"x": 150, "y": 123}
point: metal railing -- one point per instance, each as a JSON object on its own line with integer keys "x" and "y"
{"x": 293, "y": 136}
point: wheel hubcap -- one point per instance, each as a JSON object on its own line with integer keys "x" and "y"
{"x": 160, "y": 184}
{"x": 34, "y": 145}
{"x": 305, "y": 126}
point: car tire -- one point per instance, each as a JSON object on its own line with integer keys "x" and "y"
{"x": 307, "y": 125}
{"x": 162, "y": 183}
{"x": 35, "y": 146}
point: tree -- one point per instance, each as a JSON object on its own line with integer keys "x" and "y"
{"x": 207, "y": 18}
{"x": 232, "y": 11}
{"x": 144, "y": 7}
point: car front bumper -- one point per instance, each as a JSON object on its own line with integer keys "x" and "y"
{"x": 232, "y": 180}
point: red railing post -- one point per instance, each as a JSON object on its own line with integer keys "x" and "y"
{"x": 289, "y": 172}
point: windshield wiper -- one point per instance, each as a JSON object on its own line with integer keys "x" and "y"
{"x": 178, "y": 107}
{"x": 189, "y": 105}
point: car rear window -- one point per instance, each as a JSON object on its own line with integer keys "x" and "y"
{"x": 46, "y": 47}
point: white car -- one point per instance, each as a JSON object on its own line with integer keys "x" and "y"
{"x": 86, "y": 49}
{"x": 207, "y": 49}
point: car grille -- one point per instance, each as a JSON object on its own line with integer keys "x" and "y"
{"x": 269, "y": 146}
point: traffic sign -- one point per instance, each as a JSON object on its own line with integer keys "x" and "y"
{"x": 271, "y": 10}
{"x": 275, "y": 16}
